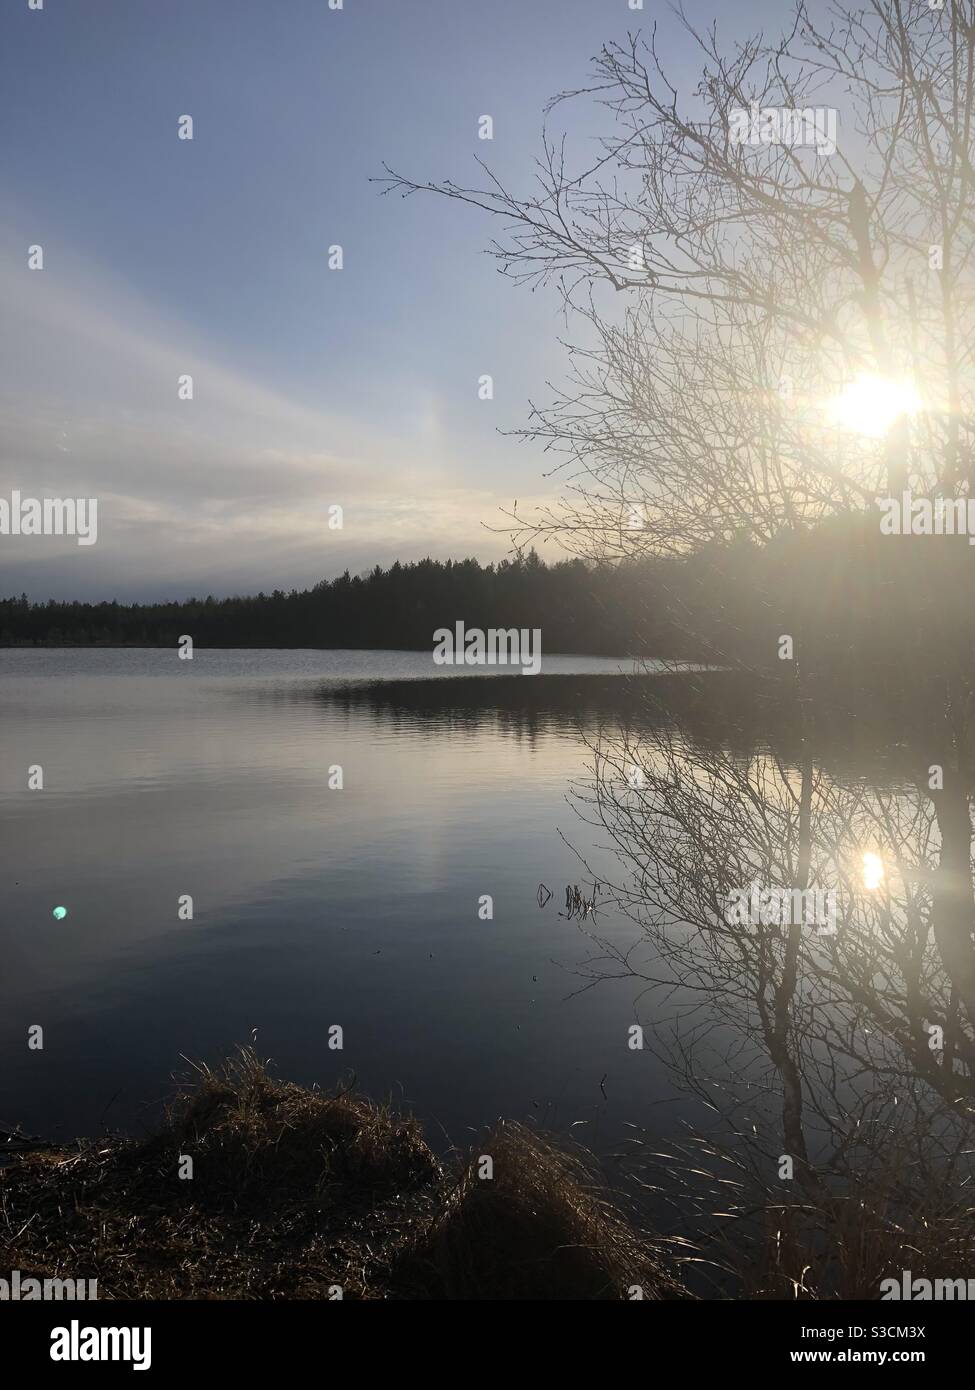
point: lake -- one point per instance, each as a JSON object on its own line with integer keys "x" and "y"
{"x": 312, "y": 906}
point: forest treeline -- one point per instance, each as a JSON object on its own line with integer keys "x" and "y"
{"x": 579, "y": 608}
{"x": 849, "y": 597}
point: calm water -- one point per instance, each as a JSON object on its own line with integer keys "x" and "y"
{"x": 313, "y": 906}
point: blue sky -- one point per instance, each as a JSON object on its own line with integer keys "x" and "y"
{"x": 209, "y": 256}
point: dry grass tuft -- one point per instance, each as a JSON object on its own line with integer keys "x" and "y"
{"x": 293, "y": 1193}
{"x": 539, "y": 1228}
{"x": 258, "y": 1141}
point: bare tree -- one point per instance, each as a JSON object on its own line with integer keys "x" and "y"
{"x": 757, "y": 277}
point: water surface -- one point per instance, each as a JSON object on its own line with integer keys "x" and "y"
{"x": 312, "y": 906}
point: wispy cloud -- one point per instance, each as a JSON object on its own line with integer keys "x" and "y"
{"x": 231, "y": 489}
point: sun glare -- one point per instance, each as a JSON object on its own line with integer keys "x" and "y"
{"x": 870, "y": 404}
{"x": 873, "y": 870}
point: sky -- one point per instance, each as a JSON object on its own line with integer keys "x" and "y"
{"x": 209, "y": 257}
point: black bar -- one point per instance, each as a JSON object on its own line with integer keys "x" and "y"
{"x": 265, "y": 1338}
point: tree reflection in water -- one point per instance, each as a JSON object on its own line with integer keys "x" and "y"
{"x": 838, "y": 1069}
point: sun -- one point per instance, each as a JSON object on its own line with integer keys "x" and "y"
{"x": 870, "y": 404}
{"x": 872, "y": 870}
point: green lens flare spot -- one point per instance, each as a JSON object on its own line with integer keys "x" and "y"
{"x": 59, "y": 913}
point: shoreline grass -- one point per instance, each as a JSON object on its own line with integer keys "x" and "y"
{"x": 298, "y": 1194}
